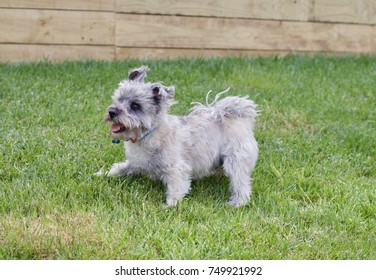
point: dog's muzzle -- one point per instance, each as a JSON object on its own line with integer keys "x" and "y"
{"x": 112, "y": 115}
{"x": 113, "y": 112}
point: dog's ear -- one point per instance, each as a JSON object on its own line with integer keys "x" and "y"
{"x": 161, "y": 92}
{"x": 138, "y": 74}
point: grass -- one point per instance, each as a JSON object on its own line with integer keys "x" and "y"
{"x": 314, "y": 187}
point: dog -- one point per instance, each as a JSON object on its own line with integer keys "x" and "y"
{"x": 179, "y": 149}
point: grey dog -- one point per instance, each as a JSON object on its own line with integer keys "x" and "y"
{"x": 178, "y": 149}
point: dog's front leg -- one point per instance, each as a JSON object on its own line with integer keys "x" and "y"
{"x": 122, "y": 169}
{"x": 178, "y": 186}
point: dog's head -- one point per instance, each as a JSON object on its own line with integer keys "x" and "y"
{"x": 137, "y": 107}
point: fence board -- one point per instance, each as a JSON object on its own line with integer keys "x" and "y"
{"x": 361, "y": 11}
{"x": 29, "y": 52}
{"x": 219, "y": 33}
{"x": 163, "y": 53}
{"x": 56, "y": 27}
{"x": 96, "y": 5}
{"x": 109, "y": 29}
{"x": 262, "y": 9}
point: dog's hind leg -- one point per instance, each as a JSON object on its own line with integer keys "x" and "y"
{"x": 238, "y": 169}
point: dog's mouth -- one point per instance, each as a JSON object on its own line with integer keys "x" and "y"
{"x": 118, "y": 128}
{"x": 124, "y": 133}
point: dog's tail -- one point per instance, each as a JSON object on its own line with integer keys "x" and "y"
{"x": 230, "y": 107}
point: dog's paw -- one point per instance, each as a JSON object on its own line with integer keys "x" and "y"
{"x": 101, "y": 172}
{"x": 118, "y": 169}
{"x": 235, "y": 203}
{"x": 171, "y": 202}
{"x": 238, "y": 201}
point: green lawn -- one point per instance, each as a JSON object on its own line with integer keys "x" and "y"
{"x": 314, "y": 187}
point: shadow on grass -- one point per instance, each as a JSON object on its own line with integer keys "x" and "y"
{"x": 213, "y": 188}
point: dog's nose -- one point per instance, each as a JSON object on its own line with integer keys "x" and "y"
{"x": 112, "y": 113}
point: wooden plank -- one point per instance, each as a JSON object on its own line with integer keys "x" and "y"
{"x": 54, "y": 53}
{"x": 354, "y": 11}
{"x": 94, "y": 5}
{"x": 168, "y": 53}
{"x": 216, "y": 33}
{"x": 261, "y": 9}
{"x": 56, "y": 27}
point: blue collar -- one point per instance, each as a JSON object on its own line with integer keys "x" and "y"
{"x": 148, "y": 133}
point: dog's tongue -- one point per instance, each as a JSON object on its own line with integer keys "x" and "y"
{"x": 116, "y": 127}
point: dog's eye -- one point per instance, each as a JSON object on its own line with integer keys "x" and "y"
{"x": 135, "y": 106}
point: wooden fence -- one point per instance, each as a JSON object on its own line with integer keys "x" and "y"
{"x": 117, "y": 29}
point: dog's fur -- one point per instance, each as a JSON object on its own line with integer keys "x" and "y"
{"x": 177, "y": 149}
